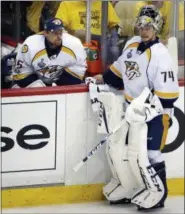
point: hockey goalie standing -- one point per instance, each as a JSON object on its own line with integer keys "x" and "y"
{"x": 145, "y": 71}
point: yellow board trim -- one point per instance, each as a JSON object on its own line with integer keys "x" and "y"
{"x": 167, "y": 95}
{"x": 115, "y": 71}
{"x": 12, "y": 198}
{"x": 175, "y": 186}
{"x": 68, "y": 51}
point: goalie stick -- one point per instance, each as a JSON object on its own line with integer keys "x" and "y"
{"x": 97, "y": 147}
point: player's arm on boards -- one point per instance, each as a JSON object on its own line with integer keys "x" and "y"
{"x": 111, "y": 76}
{"x": 74, "y": 73}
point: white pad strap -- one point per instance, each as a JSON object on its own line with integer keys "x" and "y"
{"x": 94, "y": 91}
{"x": 114, "y": 191}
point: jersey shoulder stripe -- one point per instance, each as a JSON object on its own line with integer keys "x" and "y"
{"x": 40, "y": 33}
{"x": 73, "y": 74}
{"x": 132, "y": 45}
{"x": 68, "y": 51}
{"x": 39, "y": 54}
{"x": 134, "y": 40}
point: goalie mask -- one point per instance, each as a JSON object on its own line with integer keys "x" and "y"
{"x": 149, "y": 16}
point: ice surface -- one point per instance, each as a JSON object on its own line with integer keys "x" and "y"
{"x": 173, "y": 205}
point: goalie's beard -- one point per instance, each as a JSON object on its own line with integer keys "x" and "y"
{"x": 55, "y": 44}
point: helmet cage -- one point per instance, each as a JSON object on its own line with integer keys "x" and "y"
{"x": 149, "y": 16}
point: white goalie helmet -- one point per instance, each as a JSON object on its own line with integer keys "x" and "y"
{"x": 149, "y": 15}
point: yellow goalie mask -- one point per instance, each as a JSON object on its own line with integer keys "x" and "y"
{"x": 149, "y": 16}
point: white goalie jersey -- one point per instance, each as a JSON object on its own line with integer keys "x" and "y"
{"x": 33, "y": 58}
{"x": 152, "y": 68}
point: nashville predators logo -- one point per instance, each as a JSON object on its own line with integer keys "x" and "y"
{"x": 24, "y": 48}
{"x": 51, "y": 73}
{"x": 132, "y": 70}
{"x": 57, "y": 22}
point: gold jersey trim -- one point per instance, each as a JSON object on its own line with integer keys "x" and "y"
{"x": 39, "y": 54}
{"x": 133, "y": 45}
{"x": 19, "y": 76}
{"x": 165, "y": 95}
{"x": 73, "y": 74}
{"x": 68, "y": 51}
{"x": 166, "y": 125}
{"x": 116, "y": 71}
{"x": 148, "y": 53}
{"x": 128, "y": 98}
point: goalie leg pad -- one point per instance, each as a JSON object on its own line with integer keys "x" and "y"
{"x": 160, "y": 168}
{"x": 137, "y": 135}
{"x": 153, "y": 189}
{"x": 111, "y": 111}
{"x": 115, "y": 193}
{"x": 111, "y": 114}
{"x": 161, "y": 171}
{"x": 123, "y": 184}
{"x": 111, "y": 165}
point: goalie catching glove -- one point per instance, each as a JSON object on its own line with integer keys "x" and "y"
{"x": 144, "y": 108}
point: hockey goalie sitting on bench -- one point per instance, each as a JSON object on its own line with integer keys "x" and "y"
{"x": 145, "y": 72}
